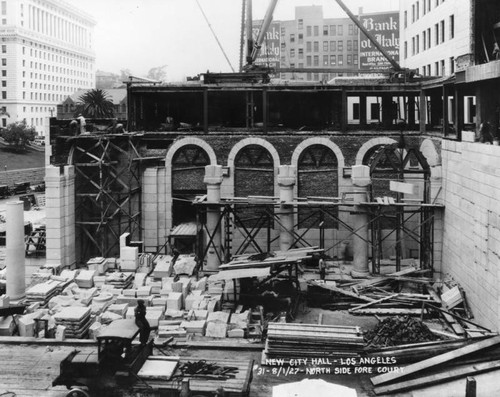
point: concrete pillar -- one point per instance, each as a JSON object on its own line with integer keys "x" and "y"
{"x": 287, "y": 175}
{"x": 361, "y": 180}
{"x": 213, "y": 180}
{"x": 15, "y": 251}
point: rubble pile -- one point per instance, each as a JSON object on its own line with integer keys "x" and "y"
{"x": 398, "y": 330}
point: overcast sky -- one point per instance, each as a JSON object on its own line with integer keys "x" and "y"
{"x": 141, "y": 34}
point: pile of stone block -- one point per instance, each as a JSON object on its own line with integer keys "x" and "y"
{"x": 76, "y": 321}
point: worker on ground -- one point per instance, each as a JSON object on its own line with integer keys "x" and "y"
{"x": 81, "y": 121}
{"x": 141, "y": 322}
{"x": 322, "y": 268}
{"x": 485, "y": 135}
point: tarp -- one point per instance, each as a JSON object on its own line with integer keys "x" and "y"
{"x": 312, "y": 387}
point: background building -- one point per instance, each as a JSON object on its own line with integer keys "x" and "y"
{"x": 46, "y": 55}
{"x": 312, "y": 41}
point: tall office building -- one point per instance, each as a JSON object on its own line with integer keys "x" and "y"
{"x": 46, "y": 55}
{"x": 312, "y": 41}
{"x": 436, "y": 35}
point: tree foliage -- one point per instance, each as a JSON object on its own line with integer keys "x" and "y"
{"x": 157, "y": 73}
{"x": 95, "y": 104}
{"x": 18, "y": 134}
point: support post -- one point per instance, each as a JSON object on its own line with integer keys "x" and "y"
{"x": 213, "y": 180}
{"x": 343, "y": 111}
{"x": 287, "y": 176}
{"x": 446, "y": 119}
{"x": 459, "y": 112}
{"x": 361, "y": 181}
{"x": 15, "y": 251}
{"x": 362, "y": 110}
{"x": 205, "y": 111}
{"x": 423, "y": 112}
{"x": 411, "y": 111}
{"x": 387, "y": 111}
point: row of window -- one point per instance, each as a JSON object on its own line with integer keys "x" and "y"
{"x": 328, "y": 30}
{"x": 316, "y": 76}
{"x": 329, "y": 60}
{"x": 332, "y": 46}
{"x": 415, "y": 10}
{"x": 439, "y": 68}
{"x": 439, "y": 37}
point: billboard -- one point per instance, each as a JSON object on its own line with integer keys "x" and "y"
{"x": 384, "y": 27}
{"x": 270, "y": 52}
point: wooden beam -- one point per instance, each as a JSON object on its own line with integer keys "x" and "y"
{"x": 441, "y": 377}
{"x": 437, "y": 360}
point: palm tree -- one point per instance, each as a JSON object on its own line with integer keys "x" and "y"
{"x": 95, "y": 104}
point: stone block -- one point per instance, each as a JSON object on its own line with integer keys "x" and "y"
{"x": 175, "y": 301}
{"x": 216, "y": 329}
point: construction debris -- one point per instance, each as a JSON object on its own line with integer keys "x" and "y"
{"x": 394, "y": 331}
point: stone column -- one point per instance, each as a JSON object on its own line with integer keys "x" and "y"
{"x": 213, "y": 180}
{"x": 287, "y": 175}
{"x": 60, "y": 215}
{"x": 361, "y": 180}
{"x": 15, "y": 251}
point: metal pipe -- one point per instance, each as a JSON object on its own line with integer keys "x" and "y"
{"x": 263, "y": 29}
{"x": 394, "y": 64}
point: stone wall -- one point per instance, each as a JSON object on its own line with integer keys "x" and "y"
{"x": 471, "y": 246}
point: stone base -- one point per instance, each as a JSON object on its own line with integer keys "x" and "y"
{"x": 358, "y": 274}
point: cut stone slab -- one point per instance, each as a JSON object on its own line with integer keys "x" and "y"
{"x": 216, "y": 329}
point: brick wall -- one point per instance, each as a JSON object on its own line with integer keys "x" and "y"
{"x": 32, "y": 175}
{"x": 471, "y": 242}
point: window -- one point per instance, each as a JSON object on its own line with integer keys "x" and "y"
{"x": 349, "y": 45}
{"x": 452, "y": 27}
{"x": 301, "y": 38}
{"x": 308, "y": 60}
{"x": 308, "y": 46}
{"x": 429, "y": 41}
{"x": 442, "y": 31}
{"x": 316, "y": 46}
{"x": 413, "y": 13}
{"x": 4, "y": 8}
{"x": 424, "y": 40}
{"x": 4, "y": 73}
{"x": 325, "y": 30}
{"x": 333, "y": 60}
{"x": 341, "y": 60}
{"x": 308, "y": 31}
{"x": 325, "y": 60}
{"x": 443, "y": 68}
{"x": 355, "y": 57}
{"x": 292, "y": 38}
{"x": 418, "y": 10}
{"x": 340, "y": 45}
{"x": 292, "y": 53}
{"x": 333, "y": 30}
{"x": 351, "y": 29}
{"x": 4, "y": 49}
{"x": 300, "y": 24}
{"x": 436, "y": 29}
{"x": 333, "y": 46}
{"x": 418, "y": 43}
{"x": 340, "y": 30}
{"x": 316, "y": 30}
{"x": 436, "y": 68}
{"x": 301, "y": 53}
{"x": 316, "y": 60}
{"x": 349, "y": 59}
{"x": 4, "y": 94}
{"x": 4, "y": 61}
{"x": 406, "y": 49}
{"x": 452, "y": 65}
{"x": 325, "y": 45}
{"x": 413, "y": 46}
{"x": 355, "y": 45}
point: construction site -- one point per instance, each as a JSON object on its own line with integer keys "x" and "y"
{"x": 280, "y": 237}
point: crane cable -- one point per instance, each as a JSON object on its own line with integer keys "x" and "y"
{"x": 215, "y": 35}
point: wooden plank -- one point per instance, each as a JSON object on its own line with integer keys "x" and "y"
{"x": 341, "y": 291}
{"x": 373, "y": 303}
{"x": 437, "y": 360}
{"x": 389, "y": 311}
{"x": 441, "y": 377}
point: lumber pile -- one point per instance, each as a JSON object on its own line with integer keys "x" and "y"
{"x": 289, "y": 340}
{"x": 442, "y": 368}
{"x": 394, "y": 331}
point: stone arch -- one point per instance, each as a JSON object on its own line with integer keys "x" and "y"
{"x": 168, "y": 170}
{"x": 317, "y": 141}
{"x": 370, "y": 144}
{"x": 228, "y": 183}
{"x": 430, "y": 152}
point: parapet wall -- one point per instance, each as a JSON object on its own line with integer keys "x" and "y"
{"x": 471, "y": 246}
